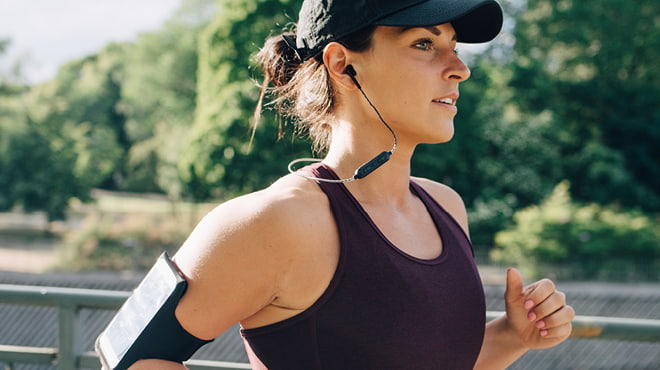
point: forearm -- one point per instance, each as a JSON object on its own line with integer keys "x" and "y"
{"x": 157, "y": 365}
{"x": 501, "y": 346}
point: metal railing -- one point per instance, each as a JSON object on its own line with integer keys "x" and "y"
{"x": 69, "y": 353}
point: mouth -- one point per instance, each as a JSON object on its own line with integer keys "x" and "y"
{"x": 448, "y": 101}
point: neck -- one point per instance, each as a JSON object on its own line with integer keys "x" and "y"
{"x": 355, "y": 144}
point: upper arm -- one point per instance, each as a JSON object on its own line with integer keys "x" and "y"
{"x": 449, "y": 199}
{"x": 234, "y": 262}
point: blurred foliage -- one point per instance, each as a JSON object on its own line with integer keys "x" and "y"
{"x": 35, "y": 173}
{"x": 217, "y": 160}
{"x": 592, "y": 241}
{"x": 126, "y": 231}
{"x": 62, "y": 137}
{"x": 159, "y": 93}
{"x": 594, "y": 66}
{"x": 115, "y": 241}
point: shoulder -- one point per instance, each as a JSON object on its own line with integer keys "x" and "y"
{"x": 246, "y": 250}
{"x": 263, "y": 226}
{"x": 448, "y": 198}
{"x": 275, "y": 213}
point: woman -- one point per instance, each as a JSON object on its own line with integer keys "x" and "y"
{"x": 328, "y": 270}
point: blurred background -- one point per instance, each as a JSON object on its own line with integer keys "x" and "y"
{"x": 122, "y": 123}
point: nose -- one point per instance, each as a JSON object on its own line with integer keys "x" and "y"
{"x": 456, "y": 69}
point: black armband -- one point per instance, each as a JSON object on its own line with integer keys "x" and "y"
{"x": 145, "y": 327}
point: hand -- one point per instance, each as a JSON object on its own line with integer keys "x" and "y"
{"x": 537, "y": 314}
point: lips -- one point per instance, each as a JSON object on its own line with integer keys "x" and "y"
{"x": 445, "y": 101}
{"x": 449, "y": 99}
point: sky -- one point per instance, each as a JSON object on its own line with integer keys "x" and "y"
{"x": 45, "y": 34}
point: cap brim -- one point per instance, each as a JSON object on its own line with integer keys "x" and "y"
{"x": 475, "y": 21}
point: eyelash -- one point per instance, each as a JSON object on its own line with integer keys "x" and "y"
{"x": 430, "y": 44}
{"x": 424, "y": 41}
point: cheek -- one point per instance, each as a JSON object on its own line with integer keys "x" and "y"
{"x": 401, "y": 91}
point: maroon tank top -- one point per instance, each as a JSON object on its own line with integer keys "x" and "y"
{"x": 383, "y": 309}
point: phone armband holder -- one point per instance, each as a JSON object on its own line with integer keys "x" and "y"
{"x": 145, "y": 326}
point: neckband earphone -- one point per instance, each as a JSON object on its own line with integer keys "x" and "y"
{"x": 366, "y": 168}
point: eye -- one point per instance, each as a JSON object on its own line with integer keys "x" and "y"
{"x": 424, "y": 44}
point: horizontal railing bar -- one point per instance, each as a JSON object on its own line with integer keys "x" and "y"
{"x": 616, "y": 328}
{"x": 32, "y": 355}
{"x": 54, "y": 296}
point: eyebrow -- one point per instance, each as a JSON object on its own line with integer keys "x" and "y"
{"x": 433, "y": 29}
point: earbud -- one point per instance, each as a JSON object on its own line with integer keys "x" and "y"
{"x": 350, "y": 71}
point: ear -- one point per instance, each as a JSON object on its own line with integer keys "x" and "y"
{"x": 336, "y": 59}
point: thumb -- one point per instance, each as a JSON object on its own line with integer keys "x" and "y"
{"x": 514, "y": 285}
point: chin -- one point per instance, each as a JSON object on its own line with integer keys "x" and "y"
{"x": 444, "y": 135}
{"x": 439, "y": 139}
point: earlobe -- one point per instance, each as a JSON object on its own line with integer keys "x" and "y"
{"x": 335, "y": 58}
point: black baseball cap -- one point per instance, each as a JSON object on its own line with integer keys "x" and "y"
{"x": 323, "y": 21}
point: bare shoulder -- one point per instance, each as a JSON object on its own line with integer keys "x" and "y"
{"x": 448, "y": 198}
{"x": 268, "y": 217}
{"x": 282, "y": 206}
{"x": 239, "y": 258}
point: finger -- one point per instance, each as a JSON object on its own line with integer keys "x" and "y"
{"x": 550, "y": 305}
{"x": 539, "y": 291}
{"x": 514, "y": 285}
{"x": 558, "y": 332}
{"x": 559, "y": 318}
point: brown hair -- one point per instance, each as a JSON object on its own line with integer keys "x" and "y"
{"x": 301, "y": 89}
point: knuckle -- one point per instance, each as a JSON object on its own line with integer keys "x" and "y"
{"x": 548, "y": 284}
{"x": 571, "y": 312}
{"x": 560, "y": 298}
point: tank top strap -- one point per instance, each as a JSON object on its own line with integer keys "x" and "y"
{"x": 438, "y": 210}
{"x": 339, "y": 196}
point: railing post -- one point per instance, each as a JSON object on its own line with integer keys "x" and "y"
{"x": 69, "y": 347}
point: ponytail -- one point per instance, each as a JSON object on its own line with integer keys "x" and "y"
{"x": 278, "y": 60}
{"x": 301, "y": 88}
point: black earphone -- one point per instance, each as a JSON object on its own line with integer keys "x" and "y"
{"x": 350, "y": 71}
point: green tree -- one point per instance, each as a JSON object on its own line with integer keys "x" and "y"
{"x": 78, "y": 112}
{"x": 62, "y": 137}
{"x": 159, "y": 93}
{"x": 217, "y": 160}
{"x": 594, "y": 67}
{"x": 36, "y": 168}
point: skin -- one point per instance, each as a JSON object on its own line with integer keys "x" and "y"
{"x": 287, "y": 232}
